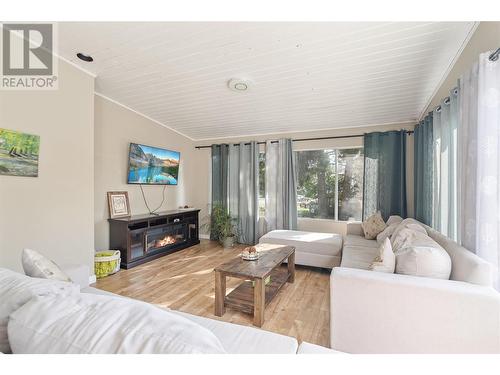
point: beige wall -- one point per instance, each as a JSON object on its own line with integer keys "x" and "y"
{"x": 115, "y": 128}
{"x": 318, "y": 225}
{"x": 485, "y": 38}
{"x": 51, "y": 213}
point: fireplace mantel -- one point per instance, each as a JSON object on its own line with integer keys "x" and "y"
{"x": 141, "y": 238}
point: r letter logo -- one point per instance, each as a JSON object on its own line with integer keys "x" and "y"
{"x": 28, "y": 61}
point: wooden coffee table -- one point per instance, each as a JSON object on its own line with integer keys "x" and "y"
{"x": 246, "y": 297}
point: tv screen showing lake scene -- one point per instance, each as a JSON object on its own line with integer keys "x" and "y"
{"x": 152, "y": 165}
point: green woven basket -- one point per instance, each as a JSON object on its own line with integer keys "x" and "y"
{"x": 106, "y": 263}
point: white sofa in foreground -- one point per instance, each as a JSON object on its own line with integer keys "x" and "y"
{"x": 373, "y": 312}
{"x": 234, "y": 339}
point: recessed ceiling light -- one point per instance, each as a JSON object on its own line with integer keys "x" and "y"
{"x": 84, "y": 57}
{"x": 238, "y": 84}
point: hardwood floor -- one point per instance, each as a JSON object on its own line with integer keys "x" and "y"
{"x": 184, "y": 281}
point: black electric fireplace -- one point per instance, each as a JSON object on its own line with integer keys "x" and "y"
{"x": 142, "y": 238}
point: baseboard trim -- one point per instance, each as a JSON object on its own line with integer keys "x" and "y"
{"x": 204, "y": 236}
{"x": 92, "y": 279}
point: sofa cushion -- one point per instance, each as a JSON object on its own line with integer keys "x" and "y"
{"x": 358, "y": 252}
{"x": 355, "y": 240}
{"x": 386, "y": 260}
{"x": 235, "y": 338}
{"x": 37, "y": 265}
{"x": 17, "y": 289}
{"x": 373, "y": 226}
{"x": 88, "y": 323}
{"x": 307, "y": 242}
{"x": 420, "y": 255}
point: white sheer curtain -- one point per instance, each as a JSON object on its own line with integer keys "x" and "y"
{"x": 467, "y": 159}
{"x": 480, "y": 191}
{"x": 488, "y": 163}
{"x": 445, "y": 123}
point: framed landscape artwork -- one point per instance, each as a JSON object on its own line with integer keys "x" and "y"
{"x": 18, "y": 153}
{"x": 118, "y": 204}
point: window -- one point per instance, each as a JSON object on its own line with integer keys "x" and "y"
{"x": 330, "y": 183}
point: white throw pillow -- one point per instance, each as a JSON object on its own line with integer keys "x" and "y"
{"x": 386, "y": 233}
{"x": 403, "y": 225}
{"x": 420, "y": 255}
{"x": 17, "y": 289}
{"x": 403, "y": 236}
{"x": 88, "y": 323}
{"x": 417, "y": 228}
{"x": 386, "y": 260}
{"x": 394, "y": 219}
{"x": 36, "y": 265}
{"x": 373, "y": 226}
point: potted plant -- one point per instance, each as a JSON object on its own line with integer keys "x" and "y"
{"x": 222, "y": 226}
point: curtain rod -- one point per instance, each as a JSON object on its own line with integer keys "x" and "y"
{"x": 307, "y": 139}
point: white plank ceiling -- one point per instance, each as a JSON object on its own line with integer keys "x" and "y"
{"x": 306, "y": 76}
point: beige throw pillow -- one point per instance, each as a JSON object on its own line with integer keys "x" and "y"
{"x": 373, "y": 226}
{"x": 386, "y": 260}
{"x": 36, "y": 265}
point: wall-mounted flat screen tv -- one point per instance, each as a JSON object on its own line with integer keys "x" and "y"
{"x": 153, "y": 165}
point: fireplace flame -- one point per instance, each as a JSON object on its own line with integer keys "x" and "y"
{"x": 167, "y": 240}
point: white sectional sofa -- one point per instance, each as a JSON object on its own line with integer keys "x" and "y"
{"x": 311, "y": 248}
{"x": 373, "y": 312}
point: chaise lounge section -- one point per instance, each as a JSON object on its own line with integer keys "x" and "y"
{"x": 311, "y": 248}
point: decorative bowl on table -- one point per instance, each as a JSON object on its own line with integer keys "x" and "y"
{"x": 249, "y": 253}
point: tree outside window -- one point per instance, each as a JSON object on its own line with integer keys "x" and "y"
{"x": 330, "y": 183}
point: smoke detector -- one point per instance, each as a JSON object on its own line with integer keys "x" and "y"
{"x": 238, "y": 84}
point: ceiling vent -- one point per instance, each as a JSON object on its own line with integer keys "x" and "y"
{"x": 239, "y": 85}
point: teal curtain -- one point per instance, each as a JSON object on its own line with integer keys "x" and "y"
{"x": 220, "y": 176}
{"x": 385, "y": 174}
{"x": 423, "y": 167}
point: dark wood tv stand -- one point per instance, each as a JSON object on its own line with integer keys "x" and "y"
{"x": 141, "y": 238}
